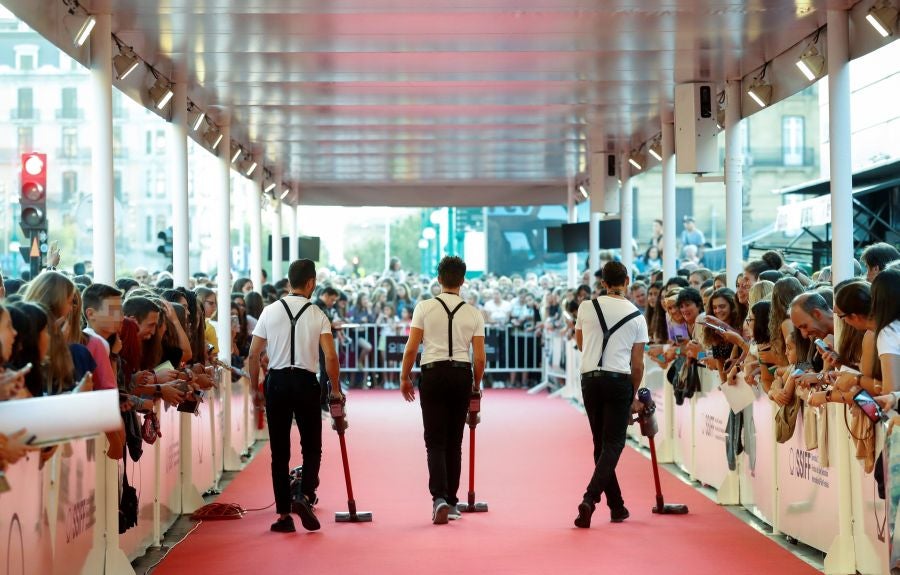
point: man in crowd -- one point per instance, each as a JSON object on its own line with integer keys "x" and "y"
{"x": 327, "y": 302}
{"x": 639, "y": 295}
{"x": 877, "y": 257}
{"x": 690, "y": 235}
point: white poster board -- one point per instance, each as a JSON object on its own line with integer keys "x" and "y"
{"x": 76, "y": 509}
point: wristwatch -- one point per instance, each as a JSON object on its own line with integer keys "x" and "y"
{"x": 158, "y": 391}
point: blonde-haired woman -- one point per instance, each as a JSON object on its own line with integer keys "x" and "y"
{"x": 56, "y": 293}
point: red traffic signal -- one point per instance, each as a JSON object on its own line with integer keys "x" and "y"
{"x": 34, "y": 176}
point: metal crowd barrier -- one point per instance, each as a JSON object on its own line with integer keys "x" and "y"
{"x": 62, "y": 518}
{"x": 378, "y": 348}
{"x": 833, "y": 508}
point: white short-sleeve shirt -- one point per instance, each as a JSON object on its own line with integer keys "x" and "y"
{"x": 889, "y": 339}
{"x": 618, "y": 352}
{"x": 274, "y": 326}
{"x": 431, "y": 317}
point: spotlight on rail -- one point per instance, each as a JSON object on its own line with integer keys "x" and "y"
{"x": 86, "y": 22}
{"x": 655, "y": 150}
{"x": 125, "y": 62}
{"x": 247, "y": 166}
{"x": 161, "y": 92}
{"x": 195, "y": 116}
{"x": 811, "y": 63}
{"x": 761, "y": 93}
{"x": 213, "y": 137}
{"x": 271, "y": 186}
{"x": 285, "y": 192}
{"x": 638, "y": 160}
{"x": 236, "y": 152}
{"x": 582, "y": 189}
{"x": 883, "y": 18}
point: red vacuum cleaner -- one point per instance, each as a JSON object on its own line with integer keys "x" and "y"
{"x": 339, "y": 424}
{"x": 473, "y": 419}
{"x": 649, "y": 429}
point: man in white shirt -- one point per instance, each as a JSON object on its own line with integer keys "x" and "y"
{"x": 448, "y": 326}
{"x": 290, "y": 331}
{"x": 611, "y": 332}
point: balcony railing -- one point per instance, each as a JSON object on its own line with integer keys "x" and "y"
{"x": 70, "y": 114}
{"x": 24, "y": 114}
{"x": 775, "y": 157}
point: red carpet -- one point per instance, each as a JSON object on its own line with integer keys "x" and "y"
{"x": 534, "y": 460}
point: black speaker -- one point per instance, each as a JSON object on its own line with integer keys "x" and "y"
{"x": 705, "y": 101}
{"x": 611, "y": 165}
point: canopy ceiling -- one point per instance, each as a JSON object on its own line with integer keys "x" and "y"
{"x": 441, "y": 94}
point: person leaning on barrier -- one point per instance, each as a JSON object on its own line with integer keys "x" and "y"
{"x": 611, "y": 333}
{"x": 291, "y": 331}
{"x": 447, "y": 326}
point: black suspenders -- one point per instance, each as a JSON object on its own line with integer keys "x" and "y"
{"x": 294, "y": 319}
{"x": 450, "y": 315}
{"x": 607, "y": 333}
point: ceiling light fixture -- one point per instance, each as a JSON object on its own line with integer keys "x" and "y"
{"x": 248, "y": 166}
{"x": 161, "y": 91}
{"x": 213, "y": 136}
{"x": 883, "y": 17}
{"x": 125, "y": 62}
{"x": 656, "y": 149}
{"x": 760, "y": 90}
{"x": 638, "y": 160}
{"x": 811, "y": 63}
{"x": 236, "y": 152}
{"x": 195, "y": 116}
{"x": 582, "y": 189}
{"x": 270, "y": 187}
{"x": 287, "y": 190}
{"x": 87, "y": 23}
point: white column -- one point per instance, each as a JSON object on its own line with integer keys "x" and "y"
{"x": 293, "y": 249}
{"x": 839, "y": 148}
{"x": 255, "y": 201}
{"x": 626, "y": 212}
{"x": 277, "y": 267}
{"x": 222, "y": 238}
{"x": 572, "y": 214}
{"x": 670, "y": 251}
{"x": 598, "y": 192}
{"x": 178, "y": 179}
{"x": 841, "y": 557}
{"x": 734, "y": 183}
{"x": 103, "y": 200}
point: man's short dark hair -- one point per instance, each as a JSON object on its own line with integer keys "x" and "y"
{"x": 300, "y": 272}
{"x": 615, "y": 274}
{"x": 756, "y": 267}
{"x": 687, "y": 295}
{"x": 585, "y": 288}
{"x": 331, "y": 291}
{"x": 679, "y": 281}
{"x": 770, "y": 275}
{"x": 93, "y": 295}
{"x": 126, "y": 284}
{"x": 810, "y": 301}
{"x": 139, "y": 307}
{"x": 452, "y": 271}
{"x": 638, "y": 285}
{"x": 879, "y": 255}
{"x": 78, "y": 268}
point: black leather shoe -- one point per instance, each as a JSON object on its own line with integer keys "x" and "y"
{"x": 284, "y": 525}
{"x": 585, "y": 510}
{"x": 304, "y": 510}
{"x": 619, "y": 515}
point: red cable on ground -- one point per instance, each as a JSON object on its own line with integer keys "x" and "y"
{"x": 215, "y": 511}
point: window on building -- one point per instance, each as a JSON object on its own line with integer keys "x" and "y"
{"x": 792, "y": 140}
{"x": 149, "y": 142}
{"x": 69, "y": 142}
{"x": 160, "y": 184}
{"x": 148, "y": 236}
{"x": 69, "y": 103}
{"x": 117, "y": 185}
{"x": 69, "y": 186}
{"x": 25, "y": 107}
{"x": 117, "y": 141}
{"x": 148, "y": 184}
{"x": 26, "y": 57}
{"x": 160, "y": 141}
{"x": 26, "y": 139}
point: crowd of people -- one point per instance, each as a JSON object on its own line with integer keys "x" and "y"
{"x": 772, "y": 326}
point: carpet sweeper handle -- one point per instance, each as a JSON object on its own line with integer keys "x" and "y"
{"x": 647, "y": 420}
{"x": 473, "y": 419}
{"x": 339, "y": 424}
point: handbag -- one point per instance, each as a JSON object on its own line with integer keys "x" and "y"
{"x": 810, "y": 427}
{"x": 128, "y": 503}
{"x": 786, "y": 420}
{"x": 150, "y": 428}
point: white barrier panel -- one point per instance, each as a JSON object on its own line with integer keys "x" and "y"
{"x": 758, "y": 476}
{"x": 238, "y": 431}
{"x": 807, "y": 492}
{"x": 75, "y": 469}
{"x": 215, "y": 405}
{"x": 25, "y": 542}
{"x": 711, "y": 411}
{"x": 169, "y": 446}
{"x": 870, "y": 533}
{"x": 142, "y": 476}
{"x": 683, "y": 441}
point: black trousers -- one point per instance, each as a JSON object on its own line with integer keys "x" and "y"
{"x": 444, "y": 394}
{"x": 293, "y": 395}
{"x": 607, "y": 401}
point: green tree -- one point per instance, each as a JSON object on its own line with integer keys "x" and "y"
{"x": 368, "y": 244}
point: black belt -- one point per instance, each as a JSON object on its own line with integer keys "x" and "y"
{"x": 605, "y": 374}
{"x": 446, "y": 363}
{"x": 293, "y": 369}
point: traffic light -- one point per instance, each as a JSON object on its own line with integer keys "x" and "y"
{"x": 33, "y": 198}
{"x": 165, "y": 244}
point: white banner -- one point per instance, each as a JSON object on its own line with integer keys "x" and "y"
{"x": 62, "y": 417}
{"x": 796, "y": 216}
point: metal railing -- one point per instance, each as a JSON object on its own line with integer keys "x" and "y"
{"x": 378, "y": 348}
